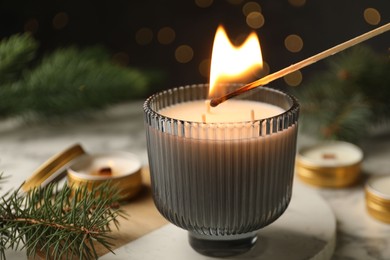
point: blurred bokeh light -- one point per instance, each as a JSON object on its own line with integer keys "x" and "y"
{"x": 176, "y": 36}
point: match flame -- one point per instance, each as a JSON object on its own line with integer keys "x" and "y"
{"x": 231, "y": 63}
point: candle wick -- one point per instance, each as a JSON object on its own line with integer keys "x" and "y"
{"x": 252, "y": 115}
{"x": 328, "y": 156}
{"x": 204, "y": 118}
{"x": 105, "y": 171}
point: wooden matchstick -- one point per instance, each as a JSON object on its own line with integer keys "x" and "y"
{"x": 281, "y": 73}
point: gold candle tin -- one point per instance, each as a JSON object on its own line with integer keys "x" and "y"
{"x": 122, "y": 169}
{"x": 332, "y": 164}
{"x": 377, "y": 192}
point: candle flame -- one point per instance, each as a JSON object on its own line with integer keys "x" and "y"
{"x": 233, "y": 63}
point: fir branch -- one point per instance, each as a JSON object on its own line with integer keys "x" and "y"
{"x": 66, "y": 81}
{"x": 368, "y": 73}
{"x": 58, "y": 223}
{"x": 70, "y": 80}
{"x": 16, "y": 52}
{"x": 347, "y": 99}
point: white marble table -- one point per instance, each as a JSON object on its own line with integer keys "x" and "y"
{"x": 23, "y": 147}
{"x": 306, "y": 230}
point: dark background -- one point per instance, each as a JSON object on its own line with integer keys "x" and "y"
{"x": 114, "y": 24}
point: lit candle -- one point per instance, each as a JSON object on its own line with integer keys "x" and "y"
{"x": 221, "y": 179}
{"x": 225, "y": 172}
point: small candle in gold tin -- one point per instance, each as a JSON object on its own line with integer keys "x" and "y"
{"x": 378, "y": 198}
{"x": 330, "y": 164}
{"x": 122, "y": 169}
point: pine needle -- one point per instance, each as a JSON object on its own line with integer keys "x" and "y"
{"x": 53, "y": 223}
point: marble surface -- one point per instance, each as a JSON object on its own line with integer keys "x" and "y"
{"x": 24, "y": 146}
{"x": 307, "y": 230}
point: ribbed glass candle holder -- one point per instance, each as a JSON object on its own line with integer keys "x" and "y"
{"x": 221, "y": 181}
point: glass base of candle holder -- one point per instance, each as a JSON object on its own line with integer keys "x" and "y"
{"x": 222, "y": 246}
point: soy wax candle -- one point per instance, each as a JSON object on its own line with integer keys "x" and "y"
{"x": 377, "y": 191}
{"x": 122, "y": 169}
{"x": 330, "y": 164}
{"x": 225, "y": 176}
{"x": 229, "y": 111}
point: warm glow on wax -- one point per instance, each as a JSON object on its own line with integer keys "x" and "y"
{"x": 231, "y": 63}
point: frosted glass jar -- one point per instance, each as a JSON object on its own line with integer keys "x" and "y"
{"x": 221, "y": 181}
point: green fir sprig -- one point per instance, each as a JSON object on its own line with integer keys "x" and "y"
{"x": 16, "y": 53}
{"x": 350, "y": 97}
{"x": 66, "y": 81}
{"x": 59, "y": 223}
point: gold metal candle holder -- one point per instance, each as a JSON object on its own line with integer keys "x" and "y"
{"x": 332, "y": 164}
{"x": 122, "y": 169}
{"x": 377, "y": 192}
